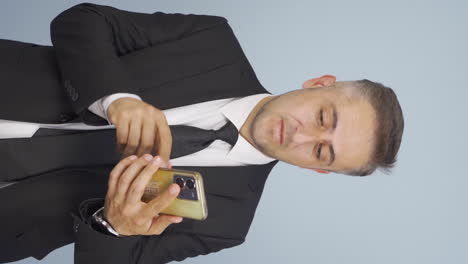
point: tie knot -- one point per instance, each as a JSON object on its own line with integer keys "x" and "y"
{"x": 228, "y": 133}
{"x": 189, "y": 139}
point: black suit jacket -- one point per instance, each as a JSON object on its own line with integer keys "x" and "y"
{"x": 169, "y": 60}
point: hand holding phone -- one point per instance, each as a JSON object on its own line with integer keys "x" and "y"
{"x": 123, "y": 208}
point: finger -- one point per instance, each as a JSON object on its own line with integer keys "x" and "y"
{"x": 147, "y": 137}
{"x": 158, "y": 204}
{"x": 133, "y": 138}
{"x": 122, "y": 133}
{"x": 164, "y": 138}
{"x": 136, "y": 190}
{"x": 156, "y": 141}
{"x": 127, "y": 177}
{"x": 116, "y": 172}
{"x": 161, "y": 222}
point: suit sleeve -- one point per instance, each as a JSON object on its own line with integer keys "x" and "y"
{"x": 89, "y": 39}
{"x": 92, "y": 246}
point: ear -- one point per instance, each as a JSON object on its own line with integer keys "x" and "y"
{"x": 316, "y": 170}
{"x": 325, "y": 80}
{"x": 321, "y": 171}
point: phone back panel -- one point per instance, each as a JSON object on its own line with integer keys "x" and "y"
{"x": 163, "y": 178}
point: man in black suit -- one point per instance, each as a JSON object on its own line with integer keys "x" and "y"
{"x": 141, "y": 73}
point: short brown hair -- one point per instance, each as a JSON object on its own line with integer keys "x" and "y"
{"x": 389, "y": 128}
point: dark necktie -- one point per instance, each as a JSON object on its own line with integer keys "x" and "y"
{"x": 55, "y": 149}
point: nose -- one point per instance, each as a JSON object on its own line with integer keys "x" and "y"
{"x": 309, "y": 134}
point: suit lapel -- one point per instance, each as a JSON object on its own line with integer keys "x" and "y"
{"x": 233, "y": 194}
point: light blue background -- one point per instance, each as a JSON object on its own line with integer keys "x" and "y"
{"x": 417, "y": 214}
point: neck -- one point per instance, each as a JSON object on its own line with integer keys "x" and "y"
{"x": 245, "y": 130}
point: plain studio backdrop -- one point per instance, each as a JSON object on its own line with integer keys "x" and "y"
{"x": 419, "y": 48}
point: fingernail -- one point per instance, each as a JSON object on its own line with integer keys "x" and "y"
{"x": 156, "y": 160}
{"x": 132, "y": 157}
{"x": 178, "y": 220}
{"x": 164, "y": 164}
{"x": 173, "y": 189}
{"x": 148, "y": 157}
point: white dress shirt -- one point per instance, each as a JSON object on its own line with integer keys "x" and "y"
{"x": 207, "y": 115}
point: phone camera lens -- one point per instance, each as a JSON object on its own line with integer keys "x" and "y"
{"x": 190, "y": 184}
{"x": 180, "y": 182}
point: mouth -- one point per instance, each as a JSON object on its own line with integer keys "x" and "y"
{"x": 281, "y": 134}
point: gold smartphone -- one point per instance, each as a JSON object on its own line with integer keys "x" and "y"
{"x": 190, "y": 203}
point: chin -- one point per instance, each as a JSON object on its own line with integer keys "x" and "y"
{"x": 262, "y": 131}
{"x": 260, "y": 144}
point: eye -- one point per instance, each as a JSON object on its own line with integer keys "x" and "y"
{"x": 319, "y": 150}
{"x": 321, "y": 117}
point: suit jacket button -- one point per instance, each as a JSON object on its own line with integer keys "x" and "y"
{"x": 74, "y": 96}
{"x": 70, "y": 90}
{"x": 68, "y": 86}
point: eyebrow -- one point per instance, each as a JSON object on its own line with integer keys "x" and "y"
{"x": 335, "y": 117}
{"x": 332, "y": 154}
{"x": 335, "y": 121}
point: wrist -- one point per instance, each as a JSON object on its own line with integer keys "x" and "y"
{"x": 112, "y": 103}
{"x": 102, "y": 225}
{"x": 112, "y": 108}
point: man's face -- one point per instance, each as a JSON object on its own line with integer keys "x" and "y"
{"x": 322, "y": 128}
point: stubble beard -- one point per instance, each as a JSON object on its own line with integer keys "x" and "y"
{"x": 260, "y": 144}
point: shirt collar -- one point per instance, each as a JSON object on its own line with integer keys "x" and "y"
{"x": 237, "y": 112}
